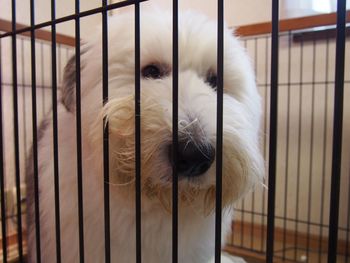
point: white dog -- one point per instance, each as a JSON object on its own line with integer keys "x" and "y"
{"x": 242, "y": 161}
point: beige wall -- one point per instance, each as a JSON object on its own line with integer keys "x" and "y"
{"x": 320, "y": 170}
{"x": 239, "y": 12}
{"x": 236, "y": 12}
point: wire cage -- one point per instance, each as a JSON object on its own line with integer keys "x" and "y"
{"x": 306, "y": 88}
{"x": 303, "y": 214}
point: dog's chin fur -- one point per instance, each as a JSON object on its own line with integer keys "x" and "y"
{"x": 242, "y": 161}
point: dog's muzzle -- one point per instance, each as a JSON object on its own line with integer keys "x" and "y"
{"x": 193, "y": 160}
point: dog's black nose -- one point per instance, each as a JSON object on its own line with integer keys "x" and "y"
{"x": 193, "y": 160}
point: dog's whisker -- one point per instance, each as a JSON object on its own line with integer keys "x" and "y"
{"x": 191, "y": 123}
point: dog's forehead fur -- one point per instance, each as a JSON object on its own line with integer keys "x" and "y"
{"x": 197, "y": 52}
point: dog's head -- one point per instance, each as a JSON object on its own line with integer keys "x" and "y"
{"x": 242, "y": 162}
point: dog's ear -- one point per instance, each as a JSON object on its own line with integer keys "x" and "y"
{"x": 68, "y": 85}
{"x": 69, "y": 81}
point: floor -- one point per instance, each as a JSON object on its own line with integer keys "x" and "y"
{"x": 251, "y": 247}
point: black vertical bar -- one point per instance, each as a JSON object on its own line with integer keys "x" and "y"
{"x": 273, "y": 133}
{"x": 105, "y": 133}
{"x": 15, "y": 128}
{"x": 2, "y": 175}
{"x": 78, "y": 126}
{"x": 337, "y": 132}
{"x": 299, "y": 149}
{"x": 219, "y": 129}
{"x": 175, "y": 130}
{"x": 287, "y": 149}
{"x": 137, "y": 133}
{"x": 325, "y": 121}
{"x": 35, "y": 142}
{"x": 309, "y": 207}
{"x": 55, "y": 132}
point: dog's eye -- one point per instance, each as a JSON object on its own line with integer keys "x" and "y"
{"x": 212, "y": 80}
{"x": 151, "y": 72}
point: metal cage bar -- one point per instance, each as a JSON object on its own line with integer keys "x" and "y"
{"x": 78, "y": 131}
{"x": 16, "y": 135}
{"x": 55, "y": 21}
{"x": 137, "y": 134}
{"x": 55, "y": 133}
{"x": 35, "y": 135}
{"x": 337, "y": 131}
{"x": 219, "y": 129}
{"x": 273, "y": 133}
{"x": 105, "y": 133}
{"x": 175, "y": 132}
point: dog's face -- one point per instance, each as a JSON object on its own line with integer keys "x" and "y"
{"x": 242, "y": 162}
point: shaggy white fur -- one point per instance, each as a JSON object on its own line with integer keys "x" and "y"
{"x": 242, "y": 161}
